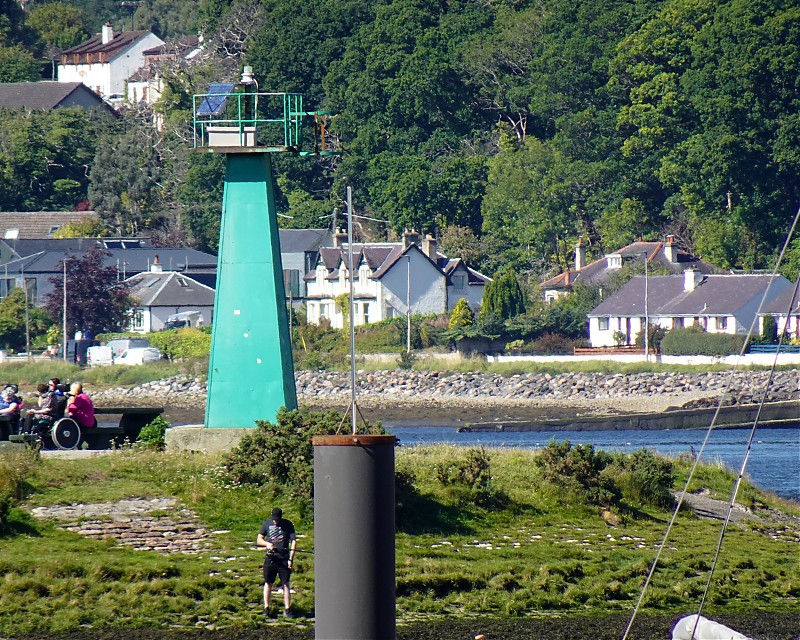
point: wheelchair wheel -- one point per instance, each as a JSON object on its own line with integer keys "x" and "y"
{"x": 66, "y": 434}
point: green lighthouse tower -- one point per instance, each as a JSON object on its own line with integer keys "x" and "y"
{"x": 251, "y": 372}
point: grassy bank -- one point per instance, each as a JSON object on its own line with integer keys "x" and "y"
{"x": 510, "y": 543}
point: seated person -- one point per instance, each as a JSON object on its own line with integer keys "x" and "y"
{"x": 80, "y": 407}
{"x": 41, "y": 419}
{"x": 10, "y": 405}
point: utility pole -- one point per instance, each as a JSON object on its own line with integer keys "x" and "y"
{"x": 64, "y": 311}
{"x": 408, "y": 303}
{"x": 27, "y": 318}
{"x": 646, "y": 314}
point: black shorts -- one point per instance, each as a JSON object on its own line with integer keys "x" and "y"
{"x": 276, "y": 567}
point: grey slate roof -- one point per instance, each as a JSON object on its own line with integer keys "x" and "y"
{"x": 786, "y": 302}
{"x": 381, "y": 256}
{"x": 715, "y": 295}
{"x": 169, "y": 289}
{"x": 302, "y": 240}
{"x": 598, "y": 271}
{"x": 46, "y": 95}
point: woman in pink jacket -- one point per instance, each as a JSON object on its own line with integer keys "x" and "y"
{"x": 80, "y": 407}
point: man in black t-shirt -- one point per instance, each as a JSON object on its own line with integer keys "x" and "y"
{"x": 278, "y": 536}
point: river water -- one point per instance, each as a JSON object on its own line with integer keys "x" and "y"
{"x": 773, "y": 464}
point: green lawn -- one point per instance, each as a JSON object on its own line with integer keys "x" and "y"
{"x": 531, "y": 549}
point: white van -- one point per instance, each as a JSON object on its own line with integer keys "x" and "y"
{"x": 96, "y": 356}
{"x": 118, "y": 346}
{"x": 139, "y": 355}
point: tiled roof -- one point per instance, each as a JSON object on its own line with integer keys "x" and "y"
{"x": 169, "y": 289}
{"x": 598, "y": 271}
{"x": 38, "y": 224}
{"x": 714, "y": 295}
{"x": 42, "y": 95}
{"x": 118, "y": 44}
{"x": 180, "y": 45}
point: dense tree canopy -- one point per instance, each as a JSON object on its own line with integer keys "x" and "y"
{"x": 511, "y": 128}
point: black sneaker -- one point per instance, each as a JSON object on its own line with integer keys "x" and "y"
{"x": 287, "y": 614}
{"x": 270, "y": 614}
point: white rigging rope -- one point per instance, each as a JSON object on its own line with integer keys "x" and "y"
{"x": 711, "y": 427}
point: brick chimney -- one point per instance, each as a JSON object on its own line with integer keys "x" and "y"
{"x": 410, "y": 236}
{"x": 580, "y": 255}
{"x": 670, "y": 250}
{"x": 107, "y": 34}
{"x": 339, "y": 238}
{"x": 691, "y": 278}
{"x": 429, "y": 246}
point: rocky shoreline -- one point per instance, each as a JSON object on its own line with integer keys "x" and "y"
{"x": 591, "y": 392}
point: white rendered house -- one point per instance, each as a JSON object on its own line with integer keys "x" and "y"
{"x": 720, "y": 303}
{"x": 389, "y": 279}
{"x": 106, "y": 61}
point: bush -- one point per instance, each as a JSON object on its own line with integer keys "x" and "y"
{"x": 579, "y": 470}
{"x": 406, "y": 360}
{"x": 695, "y": 341}
{"x": 644, "y": 478}
{"x": 282, "y": 453}
{"x": 153, "y": 434}
{"x": 551, "y": 344}
{"x": 180, "y": 344}
{"x": 469, "y": 480}
{"x": 769, "y": 329}
{"x": 15, "y": 466}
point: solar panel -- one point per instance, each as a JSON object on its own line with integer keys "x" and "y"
{"x": 214, "y": 103}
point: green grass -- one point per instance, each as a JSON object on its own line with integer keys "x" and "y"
{"x": 531, "y": 550}
{"x": 29, "y": 374}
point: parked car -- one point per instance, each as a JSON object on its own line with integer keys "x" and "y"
{"x": 139, "y": 355}
{"x": 119, "y": 346}
{"x": 99, "y": 356}
{"x": 184, "y": 319}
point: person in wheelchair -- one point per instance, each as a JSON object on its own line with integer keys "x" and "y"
{"x": 11, "y": 405}
{"x": 51, "y": 408}
{"x": 80, "y": 407}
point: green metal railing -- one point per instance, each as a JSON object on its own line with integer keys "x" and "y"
{"x": 269, "y": 121}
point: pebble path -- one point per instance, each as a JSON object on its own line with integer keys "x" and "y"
{"x": 157, "y": 524}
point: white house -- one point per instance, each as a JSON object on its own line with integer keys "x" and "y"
{"x": 160, "y": 294}
{"x": 146, "y": 84}
{"x": 106, "y": 61}
{"x": 720, "y": 303}
{"x": 389, "y": 278}
{"x": 785, "y": 308}
{"x": 662, "y": 256}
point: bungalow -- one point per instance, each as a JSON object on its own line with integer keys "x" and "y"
{"x": 661, "y": 256}
{"x": 719, "y": 303}
{"x": 47, "y": 95}
{"x": 389, "y": 280}
{"x": 160, "y": 294}
{"x": 785, "y": 308}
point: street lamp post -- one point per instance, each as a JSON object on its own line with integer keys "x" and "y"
{"x": 646, "y": 314}
{"x": 408, "y": 303}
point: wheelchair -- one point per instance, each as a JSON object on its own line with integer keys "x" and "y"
{"x": 65, "y": 434}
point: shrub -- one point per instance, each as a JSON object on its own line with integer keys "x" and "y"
{"x": 578, "y": 469}
{"x": 469, "y": 480}
{"x": 552, "y": 343}
{"x": 695, "y": 341}
{"x": 406, "y": 360}
{"x": 769, "y": 329}
{"x": 153, "y": 434}
{"x": 282, "y": 453}
{"x": 179, "y": 344}
{"x": 644, "y": 478}
{"x": 15, "y": 466}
